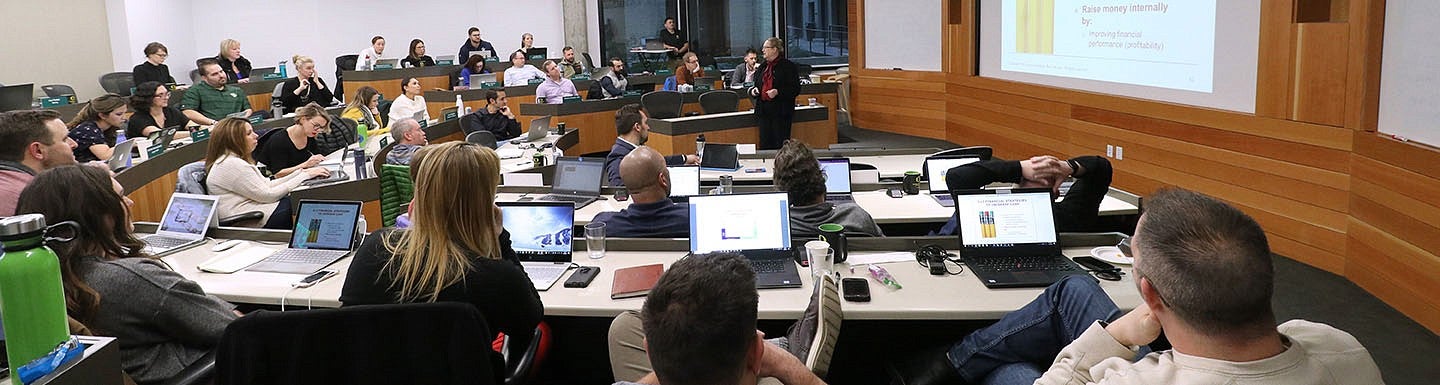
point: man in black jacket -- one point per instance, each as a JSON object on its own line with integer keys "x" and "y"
{"x": 495, "y": 117}
{"x": 1078, "y": 212}
{"x": 632, "y": 129}
{"x": 777, "y": 83}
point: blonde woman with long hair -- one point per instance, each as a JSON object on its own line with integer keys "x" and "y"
{"x": 455, "y": 249}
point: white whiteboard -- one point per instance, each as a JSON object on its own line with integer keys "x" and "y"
{"x": 1409, "y": 97}
{"x": 903, "y": 34}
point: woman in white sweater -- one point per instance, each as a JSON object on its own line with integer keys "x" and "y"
{"x": 409, "y": 102}
{"x": 231, "y": 175}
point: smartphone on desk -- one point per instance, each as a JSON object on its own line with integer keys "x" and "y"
{"x": 855, "y": 289}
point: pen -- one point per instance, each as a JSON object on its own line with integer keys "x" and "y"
{"x": 883, "y": 276}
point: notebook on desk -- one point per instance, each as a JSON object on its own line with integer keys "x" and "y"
{"x": 325, "y": 231}
{"x": 754, "y": 225}
{"x": 935, "y": 168}
{"x": 187, "y": 218}
{"x": 837, "y": 180}
{"x": 1008, "y": 237}
{"x": 541, "y": 234}
{"x": 577, "y": 180}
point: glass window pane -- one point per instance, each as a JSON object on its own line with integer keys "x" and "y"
{"x": 816, "y": 31}
{"x": 626, "y": 24}
{"x": 725, "y": 29}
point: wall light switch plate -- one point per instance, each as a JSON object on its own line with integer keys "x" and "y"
{"x": 1119, "y": 153}
{"x": 1110, "y": 150}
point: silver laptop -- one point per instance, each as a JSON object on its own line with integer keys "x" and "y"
{"x": 121, "y": 157}
{"x": 478, "y": 80}
{"x": 837, "y": 180}
{"x": 541, "y": 234}
{"x": 325, "y": 231}
{"x": 577, "y": 180}
{"x": 393, "y": 63}
{"x": 654, "y": 44}
{"x": 337, "y": 174}
{"x": 755, "y": 225}
{"x": 684, "y": 180}
{"x": 539, "y": 128}
{"x": 935, "y": 168}
{"x": 421, "y": 116}
{"x": 441, "y": 58}
{"x": 186, "y": 220}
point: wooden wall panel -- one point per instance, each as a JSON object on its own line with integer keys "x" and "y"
{"x": 1318, "y": 87}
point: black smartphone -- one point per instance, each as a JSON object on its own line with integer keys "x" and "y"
{"x": 582, "y": 276}
{"x": 856, "y": 289}
{"x": 311, "y": 279}
{"x": 1101, "y": 269}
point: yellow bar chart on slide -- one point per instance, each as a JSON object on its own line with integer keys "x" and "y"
{"x": 1035, "y": 26}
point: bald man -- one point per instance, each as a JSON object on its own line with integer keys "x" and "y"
{"x": 651, "y": 213}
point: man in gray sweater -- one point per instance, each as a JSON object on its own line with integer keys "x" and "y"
{"x": 798, "y": 173}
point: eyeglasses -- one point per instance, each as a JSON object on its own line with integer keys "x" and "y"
{"x": 163, "y": 95}
{"x": 161, "y": 54}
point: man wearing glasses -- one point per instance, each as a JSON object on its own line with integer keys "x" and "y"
{"x": 689, "y": 71}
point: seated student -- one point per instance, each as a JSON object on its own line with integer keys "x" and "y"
{"x": 434, "y": 260}
{"x": 570, "y": 66}
{"x": 31, "y": 141}
{"x": 1204, "y": 272}
{"x": 698, "y": 326}
{"x": 409, "y": 138}
{"x": 474, "y": 44}
{"x": 555, "y": 88}
{"x": 207, "y": 103}
{"x": 94, "y": 128}
{"x": 365, "y": 61}
{"x": 409, "y": 102}
{"x": 520, "y": 73}
{"x": 632, "y": 129}
{"x": 651, "y": 213}
{"x": 163, "y": 321}
{"x": 689, "y": 71}
{"x": 305, "y": 87}
{"x": 473, "y": 65}
{"x": 364, "y": 108}
{"x": 152, "y": 112}
{"x": 153, "y": 69}
{"x": 745, "y": 73}
{"x": 237, "y": 68}
{"x": 232, "y": 176}
{"x": 417, "y": 57}
{"x": 798, "y": 173}
{"x": 527, "y": 43}
{"x": 612, "y": 82}
{"x": 295, "y": 148}
{"x": 496, "y": 117}
{"x": 1078, "y": 212}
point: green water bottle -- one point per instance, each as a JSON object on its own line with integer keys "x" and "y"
{"x": 32, "y": 299}
{"x": 360, "y": 131}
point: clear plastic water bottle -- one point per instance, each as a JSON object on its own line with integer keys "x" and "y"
{"x": 700, "y": 146}
{"x": 361, "y": 229}
{"x": 32, "y": 299}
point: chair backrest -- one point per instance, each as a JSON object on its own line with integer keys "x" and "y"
{"x": 588, "y": 63}
{"x": 343, "y": 63}
{"x": 483, "y": 138}
{"x": 118, "y": 83}
{"x": 384, "y": 117}
{"x": 827, "y": 333}
{"x": 191, "y": 179}
{"x": 56, "y": 90}
{"x": 567, "y": 140}
{"x": 440, "y": 342}
{"x": 195, "y": 76}
{"x": 984, "y": 152}
{"x": 662, "y": 104}
{"x": 718, "y": 101}
{"x": 396, "y": 188}
{"x": 275, "y": 96}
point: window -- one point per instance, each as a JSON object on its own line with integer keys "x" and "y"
{"x": 725, "y": 29}
{"x": 627, "y": 23}
{"x": 816, "y": 32}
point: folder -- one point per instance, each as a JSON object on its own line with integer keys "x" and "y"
{"x": 635, "y": 281}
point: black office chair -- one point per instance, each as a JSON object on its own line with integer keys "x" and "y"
{"x": 195, "y": 77}
{"x": 482, "y": 137}
{"x": 719, "y": 101}
{"x": 662, "y": 104}
{"x": 191, "y": 180}
{"x": 568, "y": 140}
{"x": 343, "y": 63}
{"x": 118, "y": 83}
{"x": 384, "y": 113}
{"x": 57, "y": 90}
{"x": 588, "y": 63}
{"x": 984, "y": 152}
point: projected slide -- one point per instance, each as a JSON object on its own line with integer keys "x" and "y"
{"x": 1147, "y": 43}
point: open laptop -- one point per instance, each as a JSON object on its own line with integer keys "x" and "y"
{"x": 539, "y": 128}
{"x": 337, "y": 174}
{"x": 482, "y": 53}
{"x": 1008, "y": 237}
{"x": 541, "y": 234}
{"x": 262, "y": 72}
{"x": 577, "y": 180}
{"x": 837, "y": 180}
{"x": 684, "y": 181}
{"x": 393, "y": 63}
{"x": 120, "y": 158}
{"x": 325, "y": 231}
{"x": 755, "y": 225}
{"x": 164, "y": 137}
{"x": 542, "y": 52}
{"x": 445, "y": 58}
{"x": 478, "y": 80}
{"x": 935, "y": 168}
{"x": 16, "y": 97}
{"x": 186, "y": 220}
{"x": 654, "y": 44}
{"x": 720, "y": 157}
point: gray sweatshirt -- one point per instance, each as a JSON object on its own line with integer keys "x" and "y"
{"x": 806, "y": 220}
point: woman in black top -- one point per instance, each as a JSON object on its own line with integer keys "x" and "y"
{"x": 293, "y": 148}
{"x": 152, "y": 111}
{"x": 154, "y": 68}
{"x": 236, "y": 67}
{"x": 456, "y": 249}
{"x": 305, "y": 87}
{"x": 417, "y": 57}
{"x": 777, "y": 83}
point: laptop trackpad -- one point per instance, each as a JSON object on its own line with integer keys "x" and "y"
{"x": 1031, "y": 276}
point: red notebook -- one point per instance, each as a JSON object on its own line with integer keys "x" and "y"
{"x": 635, "y": 281}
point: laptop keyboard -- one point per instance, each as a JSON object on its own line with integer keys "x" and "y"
{"x": 162, "y": 242}
{"x": 542, "y": 277}
{"x": 1031, "y": 263}
{"x": 763, "y": 266}
{"x": 566, "y": 198}
{"x": 304, "y": 256}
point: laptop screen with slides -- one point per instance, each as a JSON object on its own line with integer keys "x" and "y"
{"x": 325, "y": 225}
{"x": 1002, "y": 222}
{"x": 578, "y": 176}
{"x": 739, "y": 222}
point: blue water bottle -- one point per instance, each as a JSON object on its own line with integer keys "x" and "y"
{"x": 281, "y": 66}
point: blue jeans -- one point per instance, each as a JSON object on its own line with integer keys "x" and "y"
{"x": 1018, "y": 348}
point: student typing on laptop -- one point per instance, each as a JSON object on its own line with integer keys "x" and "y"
{"x": 652, "y": 214}
{"x": 231, "y": 174}
{"x": 797, "y": 172}
{"x": 1078, "y": 212}
{"x": 455, "y": 186}
{"x": 293, "y": 148}
{"x": 632, "y": 128}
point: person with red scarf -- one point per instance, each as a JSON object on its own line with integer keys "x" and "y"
{"x": 777, "y": 84}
